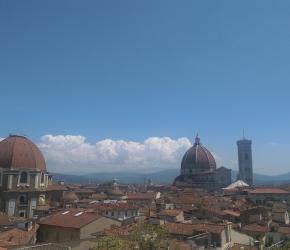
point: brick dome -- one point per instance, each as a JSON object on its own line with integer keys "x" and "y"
{"x": 19, "y": 153}
{"x": 197, "y": 159}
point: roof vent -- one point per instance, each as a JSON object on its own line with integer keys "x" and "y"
{"x": 78, "y": 214}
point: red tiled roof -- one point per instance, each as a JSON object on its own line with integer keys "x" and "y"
{"x": 284, "y": 230}
{"x": 190, "y": 229}
{"x": 56, "y": 187}
{"x": 268, "y": 191}
{"x": 17, "y": 236}
{"x": 71, "y": 218}
{"x": 232, "y": 213}
{"x": 255, "y": 228}
{"x": 115, "y": 206}
{"x": 170, "y": 212}
{"x": 179, "y": 229}
{"x": 141, "y": 196}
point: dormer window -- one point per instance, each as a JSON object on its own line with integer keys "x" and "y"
{"x": 23, "y": 178}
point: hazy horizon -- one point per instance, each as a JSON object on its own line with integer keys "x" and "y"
{"x": 127, "y": 84}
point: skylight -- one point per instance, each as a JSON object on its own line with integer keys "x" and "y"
{"x": 78, "y": 214}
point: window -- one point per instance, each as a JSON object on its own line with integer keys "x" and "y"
{"x": 42, "y": 178}
{"x": 0, "y": 178}
{"x": 112, "y": 213}
{"x": 21, "y": 213}
{"x": 23, "y": 177}
{"x": 246, "y": 156}
{"x": 22, "y": 199}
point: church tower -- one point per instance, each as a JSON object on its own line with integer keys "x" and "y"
{"x": 245, "y": 161}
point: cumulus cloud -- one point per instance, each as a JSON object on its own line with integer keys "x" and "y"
{"x": 72, "y": 153}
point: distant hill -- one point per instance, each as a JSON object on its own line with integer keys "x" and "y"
{"x": 161, "y": 177}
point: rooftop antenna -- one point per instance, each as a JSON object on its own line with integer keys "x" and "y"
{"x": 244, "y": 134}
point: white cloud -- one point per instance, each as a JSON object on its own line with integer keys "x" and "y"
{"x": 69, "y": 153}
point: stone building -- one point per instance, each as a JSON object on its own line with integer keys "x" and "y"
{"x": 198, "y": 169}
{"x": 245, "y": 161}
{"x": 23, "y": 176}
{"x": 73, "y": 225}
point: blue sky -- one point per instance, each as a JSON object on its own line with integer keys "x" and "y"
{"x": 132, "y": 70}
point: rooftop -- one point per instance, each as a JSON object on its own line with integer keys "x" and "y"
{"x": 70, "y": 218}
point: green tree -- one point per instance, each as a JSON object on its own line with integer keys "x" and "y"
{"x": 285, "y": 246}
{"x": 109, "y": 243}
{"x": 148, "y": 236}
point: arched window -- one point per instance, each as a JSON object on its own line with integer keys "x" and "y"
{"x": 23, "y": 177}
{"x": 22, "y": 199}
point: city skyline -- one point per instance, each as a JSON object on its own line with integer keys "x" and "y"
{"x": 131, "y": 71}
{"x": 66, "y": 153}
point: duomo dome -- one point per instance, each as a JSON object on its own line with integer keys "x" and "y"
{"x": 197, "y": 160}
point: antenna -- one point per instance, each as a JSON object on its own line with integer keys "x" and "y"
{"x": 244, "y": 134}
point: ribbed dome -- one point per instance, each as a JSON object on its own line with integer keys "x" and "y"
{"x": 18, "y": 152}
{"x": 197, "y": 160}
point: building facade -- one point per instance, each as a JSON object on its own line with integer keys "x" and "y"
{"x": 23, "y": 176}
{"x": 245, "y": 161}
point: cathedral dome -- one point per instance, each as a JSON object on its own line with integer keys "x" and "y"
{"x": 18, "y": 152}
{"x": 197, "y": 160}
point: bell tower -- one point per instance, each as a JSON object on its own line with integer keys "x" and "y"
{"x": 245, "y": 160}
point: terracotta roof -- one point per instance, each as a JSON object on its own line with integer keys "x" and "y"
{"x": 43, "y": 208}
{"x": 71, "y": 218}
{"x": 18, "y": 152}
{"x": 232, "y": 213}
{"x": 115, "y": 192}
{"x": 115, "y": 206}
{"x": 141, "y": 196}
{"x": 208, "y": 227}
{"x": 99, "y": 196}
{"x": 268, "y": 191}
{"x": 170, "y": 212}
{"x": 255, "y": 228}
{"x": 17, "y": 236}
{"x": 179, "y": 229}
{"x": 284, "y": 230}
{"x": 56, "y": 187}
{"x": 191, "y": 229}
